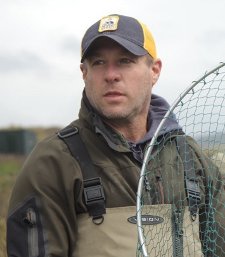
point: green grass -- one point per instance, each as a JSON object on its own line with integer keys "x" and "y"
{"x": 2, "y": 238}
{"x": 8, "y": 168}
{"x": 8, "y": 171}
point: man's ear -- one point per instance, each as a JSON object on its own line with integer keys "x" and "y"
{"x": 83, "y": 69}
{"x": 156, "y": 70}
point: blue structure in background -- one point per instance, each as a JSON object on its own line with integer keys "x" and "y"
{"x": 17, "y": 141}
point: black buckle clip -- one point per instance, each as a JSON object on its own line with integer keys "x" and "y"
{"x": 67, "y": 132}
{"x": 93, "y": 190}
{"x": 95, "y": 199}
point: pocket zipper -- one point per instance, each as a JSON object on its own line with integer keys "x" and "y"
{"x": 32, "y": 232}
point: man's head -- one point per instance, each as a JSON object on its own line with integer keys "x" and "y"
{"x": 127, "y": 31}
{"x": 119, "y": 67}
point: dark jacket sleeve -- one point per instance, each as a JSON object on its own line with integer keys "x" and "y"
{"x": 42, "y": 211}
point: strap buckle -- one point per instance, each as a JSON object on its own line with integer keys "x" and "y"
{"x": 95, "y": 198}
{"x": 93, "y": 190}
{"x": 67, "y": 132}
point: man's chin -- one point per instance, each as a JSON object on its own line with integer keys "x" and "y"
{"x": 114, "y": 116}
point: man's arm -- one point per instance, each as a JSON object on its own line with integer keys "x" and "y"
{"x": 42, "y": 216}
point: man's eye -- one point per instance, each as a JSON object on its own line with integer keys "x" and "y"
{"x": 97, "y": 62}
{"x": 125, "y": 61}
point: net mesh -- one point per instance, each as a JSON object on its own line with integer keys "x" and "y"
{"x": 181, "y": 194}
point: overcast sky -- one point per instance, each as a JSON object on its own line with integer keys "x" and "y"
{"x": 40, "y": 80}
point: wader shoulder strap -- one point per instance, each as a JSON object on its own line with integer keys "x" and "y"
{"x": 93, "y": 189}
{"x": 191, "y": 182}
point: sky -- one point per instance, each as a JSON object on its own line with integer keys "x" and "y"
{"x": 40, "y": 78}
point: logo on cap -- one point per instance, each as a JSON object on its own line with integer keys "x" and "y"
{"x": 108, "y": 23}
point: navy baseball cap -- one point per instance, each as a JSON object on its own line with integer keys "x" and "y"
{"x": 126, "y": 31}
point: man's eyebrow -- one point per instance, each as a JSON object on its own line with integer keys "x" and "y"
{"x": 93, "y": 54}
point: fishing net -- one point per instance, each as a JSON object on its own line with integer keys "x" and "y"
{"x": 181, "y": 195}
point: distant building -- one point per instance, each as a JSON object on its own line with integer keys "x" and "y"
{"x": 17, "y": 141}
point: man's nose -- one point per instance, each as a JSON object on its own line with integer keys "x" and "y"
{"x": 112, "y": 73}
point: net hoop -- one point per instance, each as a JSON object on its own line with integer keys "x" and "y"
{"x": 141, "y": 239}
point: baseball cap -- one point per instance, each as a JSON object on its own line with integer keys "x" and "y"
{"x": 126, "y": 31}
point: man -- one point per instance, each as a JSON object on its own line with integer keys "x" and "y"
{"x": 54, "y": 209}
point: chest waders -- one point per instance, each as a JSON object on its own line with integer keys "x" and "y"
{"x": 115, "y": 234}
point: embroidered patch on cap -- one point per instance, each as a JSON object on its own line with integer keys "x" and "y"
{"x": 108, "y": 23}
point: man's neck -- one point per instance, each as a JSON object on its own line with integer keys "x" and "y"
{"x": 132, "y": 131}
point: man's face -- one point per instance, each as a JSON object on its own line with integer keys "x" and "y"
{"x": 118, "y": 84}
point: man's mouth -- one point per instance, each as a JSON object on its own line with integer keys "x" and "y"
{"x": 113, "y": 94}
